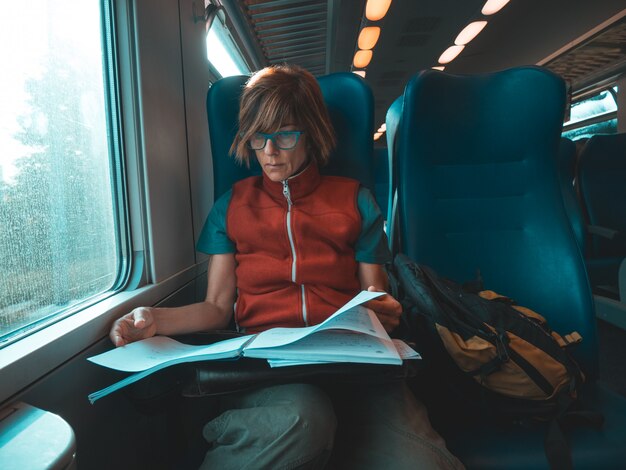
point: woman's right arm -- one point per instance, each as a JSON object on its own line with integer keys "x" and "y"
{"x": 214, "y": 313}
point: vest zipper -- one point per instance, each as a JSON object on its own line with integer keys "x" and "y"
{"x": 287, "y": 195}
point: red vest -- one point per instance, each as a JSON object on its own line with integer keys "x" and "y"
{"x": 295, "y": 258}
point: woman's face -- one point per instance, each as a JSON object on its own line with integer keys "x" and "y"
{"x": 280, "y": 164}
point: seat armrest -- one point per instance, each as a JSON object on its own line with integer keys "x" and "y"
{"x": 33, "y": 438}
{"x": 603, "y": 232}
{"x": 621, "y": 280}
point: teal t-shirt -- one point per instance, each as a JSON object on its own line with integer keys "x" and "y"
{"x": 371, "y": 246}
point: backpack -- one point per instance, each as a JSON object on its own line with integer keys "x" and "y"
{"x": 490, "y": 356}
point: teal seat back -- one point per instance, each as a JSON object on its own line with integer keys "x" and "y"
{"x": 351, "y": 107}
{"x": 478, "y": 190}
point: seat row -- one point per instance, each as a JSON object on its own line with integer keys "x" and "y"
{"x": 593, "y": 180}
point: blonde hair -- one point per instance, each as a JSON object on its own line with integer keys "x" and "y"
{"x": 280, "y": 95}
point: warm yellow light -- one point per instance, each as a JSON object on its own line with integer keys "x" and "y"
{"x": 450, "y": 54}
{"x": 439, "y": 67}
{"x": 376, "y": 9}
{"x": 377, "y": 135}
{"x": 383, "y": 127}
{"x": 362, "y": 58}
{"x": 360, "y": 73}
{"x": 368, "y": 37}
{"x": 493, "y": 6}
{"x": 469, "y": 32}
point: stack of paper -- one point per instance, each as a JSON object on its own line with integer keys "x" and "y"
{"x": 352, "y": 334}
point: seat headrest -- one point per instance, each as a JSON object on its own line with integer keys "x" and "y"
{"x": 350, "y": 104}
{"x": 605, "y": 152}
{"x": 222, "y": 103}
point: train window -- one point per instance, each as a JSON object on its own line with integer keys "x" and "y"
{"x": 593, "y": 115}
{"x": 61, "y": 226}
{"x": 222, "y": 50}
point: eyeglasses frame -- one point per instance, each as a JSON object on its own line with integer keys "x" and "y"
{"x": 272, "y": 138}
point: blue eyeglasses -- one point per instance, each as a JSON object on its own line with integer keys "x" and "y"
{"x": 284, "y": 140}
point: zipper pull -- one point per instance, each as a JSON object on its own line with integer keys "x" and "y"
{"x": 286, "y": 192}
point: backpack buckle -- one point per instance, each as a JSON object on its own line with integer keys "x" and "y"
{"x": 502, "y": 340}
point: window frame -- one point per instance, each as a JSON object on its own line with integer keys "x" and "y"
{"x": 113, "y": 103}
{"x": 28, "y": 358}
{"x": 228, "y": 26}
{"x": 159, "y": 275}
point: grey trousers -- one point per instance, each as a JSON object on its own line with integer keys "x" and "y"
{"x": 304, "y": 426}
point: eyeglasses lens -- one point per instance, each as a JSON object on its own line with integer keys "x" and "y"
{"x": 285, "y": 141}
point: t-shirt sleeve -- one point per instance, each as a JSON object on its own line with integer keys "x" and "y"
{"x": 213, "y": 238}
{"x": 371, "y": 247}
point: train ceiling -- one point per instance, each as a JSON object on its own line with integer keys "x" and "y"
{"x": 321, "y": 35}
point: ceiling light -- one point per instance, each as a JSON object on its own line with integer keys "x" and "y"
{"x": 377, "y": 135}
{"x": 450, "y": 54}
{"x": 362, "y": 58}
{"x": 376, "y": 9}
{"x": 439, "y": 67}
{"x": 493, "y": 6}
{"x": 368, "y": 37}
{"x": 469, "y": 32}
{"x": 360, "y": 73}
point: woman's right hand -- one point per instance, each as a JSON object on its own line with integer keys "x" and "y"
{"x": 134, "y": 326}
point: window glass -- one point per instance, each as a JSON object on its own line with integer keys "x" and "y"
{"x": 597, "y": 105}
{"x": 59, "y": 234}
{"x": 222, "y": 51}
{"x": 604, "y": 127}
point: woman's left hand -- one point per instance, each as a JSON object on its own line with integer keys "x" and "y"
{"x": 387, "y": 309}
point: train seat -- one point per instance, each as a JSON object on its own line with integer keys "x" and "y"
{"x": 601, "y": 270}
{"x": 477, "y": 189}
{"x": 392, "y": 120}
{"x": 33, "y": 438}
{"x": 610, "y": 309}
{"x": 602, "y": 186}
{"x": 350, "y": 104}
{"x": 351, "y": 107}
{"x": 566, "y": 163}
{"x": 381, "y": 166}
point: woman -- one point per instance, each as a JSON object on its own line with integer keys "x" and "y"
{"x": 291, "y": 247}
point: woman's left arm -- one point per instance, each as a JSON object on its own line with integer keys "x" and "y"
{"x": 374, "y": 279}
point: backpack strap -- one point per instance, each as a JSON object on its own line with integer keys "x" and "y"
{"x": 556, "y": 446}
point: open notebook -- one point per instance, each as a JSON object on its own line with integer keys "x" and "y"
{"x": 352, "y": 334}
